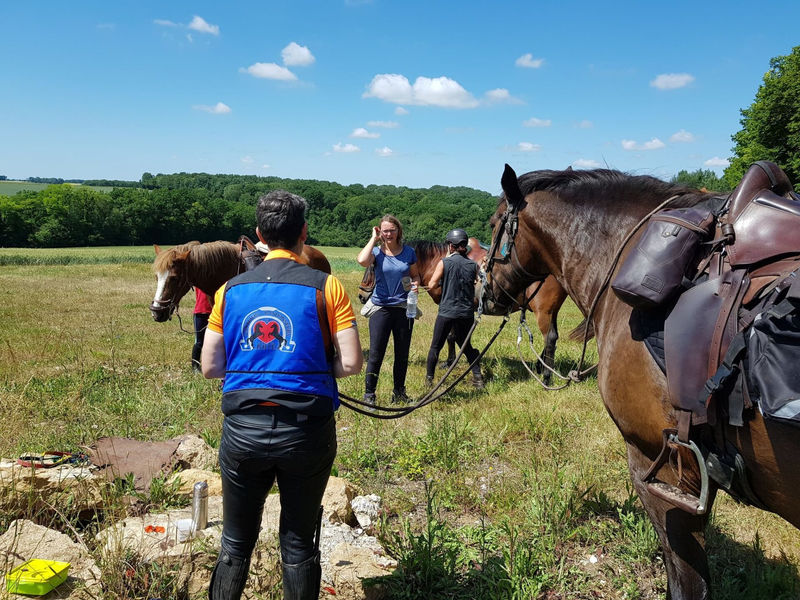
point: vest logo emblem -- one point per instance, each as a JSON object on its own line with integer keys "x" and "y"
{"x": 267, "y": 328}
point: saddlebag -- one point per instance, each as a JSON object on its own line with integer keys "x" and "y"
{"x": 667, "y": 251}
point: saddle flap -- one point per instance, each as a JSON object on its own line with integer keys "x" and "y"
{"x": 689, "y": 327}
{"x": 769, "y": 226}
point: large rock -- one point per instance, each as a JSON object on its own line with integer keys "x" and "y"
{"x": 336, "y": 501}
{"x": 349, "y": 566}
{"x": 189, "y": 477}
{"x": 25, "y": 490}
{"x": 194, "y": 453}
{"x": 25, "y": 540}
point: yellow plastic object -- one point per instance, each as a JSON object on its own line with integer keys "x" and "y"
{"x": 37, "y": 577}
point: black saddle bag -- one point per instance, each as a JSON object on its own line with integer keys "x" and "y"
{"x": 667, "y": 251}
{"x": 772, "y": 363}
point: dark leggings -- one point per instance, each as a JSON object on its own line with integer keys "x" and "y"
{"x": 257, "y": 449}
{"x": 460, "y": 327}
{"x": 388, "y": 320}
{"x": 200, "y": 324}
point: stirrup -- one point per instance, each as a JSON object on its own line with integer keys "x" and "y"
{"x": 672, "y": 494}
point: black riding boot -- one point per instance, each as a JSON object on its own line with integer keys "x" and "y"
{"x": 228, "y": 578}
{"x": 302, "y": 581}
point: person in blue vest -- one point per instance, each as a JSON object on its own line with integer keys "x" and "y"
{"x": 457, "y": 275}
{"x": 280, "y": 335}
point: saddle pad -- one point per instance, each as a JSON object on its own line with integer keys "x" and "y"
{"x": 647, "y": 326}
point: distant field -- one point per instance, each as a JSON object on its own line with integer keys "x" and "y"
{"x": 341, "y": 259}
{"x": 9, "y": 188}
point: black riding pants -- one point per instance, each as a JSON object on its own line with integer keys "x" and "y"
{"x": 383, "y": 322}
{"x": 460, "y": 327}
{"x": 200, "y": 324}
{"x": 255, "y": 450}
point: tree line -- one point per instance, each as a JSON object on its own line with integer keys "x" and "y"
{"x": 175, "y": 208}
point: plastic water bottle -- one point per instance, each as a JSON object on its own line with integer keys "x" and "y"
{"x": 411, "y": 304}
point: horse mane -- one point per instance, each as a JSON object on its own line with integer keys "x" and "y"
{"x": 209, "y": 259}
{"x": 571, "y": 180}
{"x": 427, "y": 251}
{"x": 163, "y": 261}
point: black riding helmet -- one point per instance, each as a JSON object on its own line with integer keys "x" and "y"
{"x": 457, "y": 237}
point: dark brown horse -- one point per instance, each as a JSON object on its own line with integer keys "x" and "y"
{"x": 570, "y": 225}
{"x": 206, "y": 266}
{"x": 544, "y": 299}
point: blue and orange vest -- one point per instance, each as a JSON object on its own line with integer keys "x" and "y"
{"x": 277, "y": 340}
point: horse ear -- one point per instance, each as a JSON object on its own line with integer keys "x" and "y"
{"x": 569, "y": 168}
{"x": 511, "y": 188}
{"x": 157, "y": 248}
{"x": 181, "y": 256}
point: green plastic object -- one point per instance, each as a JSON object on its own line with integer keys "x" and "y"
{"x": 37, "y": 577}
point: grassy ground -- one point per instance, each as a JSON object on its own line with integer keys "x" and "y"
{"x": 513, "y": 492}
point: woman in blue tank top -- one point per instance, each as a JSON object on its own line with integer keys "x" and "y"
{"x": 395, "y": 275}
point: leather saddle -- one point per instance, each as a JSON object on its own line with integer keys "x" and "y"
{"x": 757, "y": 241}
{"x": 250, "y": 255}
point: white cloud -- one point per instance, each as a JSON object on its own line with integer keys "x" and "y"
{"x": 266, "y": 167}
{"x": 586, "y": 163}
{"x": 384, "y": 124}
{"x": 501, "y": 96}
{"x": 270, "y": 71}
{"x": 528, "y": 147}
{"x": 438, "y": 91}
{"x": 200, "y": 25}
{"x": 219, "y": 108}
{"x": 400, "y": 111}
{"x": 360, "y": 132}
{"x": 248, "y": 160}
{"x": 653, "y": 144}
{"x": 717, "y": 162}
{"x": 527, "y": 60}
{"x": 164, "y": 23}
{"x": 585, "y": 124}
{"x": 295, "y": 55}
{"x": 346, "y": 148}
{"x": 672, "y": 81}
{"x": 681, "y": 136}
{"x": 384, "y": 152}
{"x": 534, "y": 122}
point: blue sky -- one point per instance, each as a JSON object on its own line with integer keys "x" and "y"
{"x": 413, "y": 93}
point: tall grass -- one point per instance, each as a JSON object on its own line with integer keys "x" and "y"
{"x": 511, "y": 492}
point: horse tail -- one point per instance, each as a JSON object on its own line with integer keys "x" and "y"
{"x": 585, "y": 330}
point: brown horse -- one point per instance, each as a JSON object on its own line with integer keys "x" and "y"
{"x": 206, "y": 266}
{"x": 544, "y": 299}
{"x": 570, "y": 224}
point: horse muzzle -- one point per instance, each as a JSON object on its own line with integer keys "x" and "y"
{"x": 161, "y": 312}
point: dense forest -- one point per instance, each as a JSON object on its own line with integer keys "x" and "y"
{"x": 171, "y": 209}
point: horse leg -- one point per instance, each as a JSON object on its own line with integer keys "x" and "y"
{"x": 548, "y": 325}
{"x": 681, "y": 534}
{"x": 451, "y": 351}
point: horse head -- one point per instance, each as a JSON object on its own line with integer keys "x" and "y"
{"x": 171, "y": 269}
{"x": 367, "y": 285}
{"x": 506, "y": 274}
{"x": 251, "y": 256}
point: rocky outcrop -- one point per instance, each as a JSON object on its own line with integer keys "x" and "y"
{"x": 349, "y": 554}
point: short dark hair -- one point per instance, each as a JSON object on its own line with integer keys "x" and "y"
{"x": 280, "y": 216}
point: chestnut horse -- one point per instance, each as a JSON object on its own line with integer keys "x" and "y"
{"x": 571, "y": 224}
{"x": 545, "y": 298}
{"x": 206, "y": 266}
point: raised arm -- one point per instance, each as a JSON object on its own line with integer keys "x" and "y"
{"x": 365, "y": 257}
{"x": 436, "y": 279}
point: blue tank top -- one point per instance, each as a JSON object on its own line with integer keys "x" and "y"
{"x": 389, "y": 273}
{"x": 275, "y": 345}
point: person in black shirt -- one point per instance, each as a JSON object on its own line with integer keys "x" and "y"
{"x": 457, "y": 275}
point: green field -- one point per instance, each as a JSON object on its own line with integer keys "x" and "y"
{"x": 502, "y": 493}
{"x": 9, "y": 188}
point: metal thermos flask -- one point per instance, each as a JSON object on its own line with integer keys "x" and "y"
{"x": 200, "y": 505}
